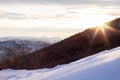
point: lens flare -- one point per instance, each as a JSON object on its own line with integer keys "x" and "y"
{"x": 101, "y": 30}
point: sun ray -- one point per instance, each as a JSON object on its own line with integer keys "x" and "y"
{"x": 111, "y": 28}
{"x": 95, "y": 34}
{"x": 102, "y": 31}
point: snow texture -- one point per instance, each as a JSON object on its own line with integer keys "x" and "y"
{"x": 102, "y": 66}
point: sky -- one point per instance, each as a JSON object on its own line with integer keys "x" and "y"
{"x": 51, "y": 18}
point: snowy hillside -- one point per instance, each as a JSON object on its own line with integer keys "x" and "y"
{"x": 101, "y": 66}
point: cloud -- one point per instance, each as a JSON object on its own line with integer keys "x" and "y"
{"x": 114, "y": 14}
{"x": 10, "y": 15}
{"x": 69, "y": 2}
{"x": 41, "y": 30}
{"x": 18, "y": 16}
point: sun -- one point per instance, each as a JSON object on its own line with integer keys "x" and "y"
{"x": 94, "y": 20}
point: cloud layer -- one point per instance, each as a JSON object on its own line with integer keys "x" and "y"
{"x": 55, "y": 17}
{"x": 69, "y": 2}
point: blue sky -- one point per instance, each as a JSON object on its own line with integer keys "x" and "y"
{"x": 50, "y": 18}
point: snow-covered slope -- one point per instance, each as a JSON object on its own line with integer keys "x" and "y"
{"x": 101, "y": 66}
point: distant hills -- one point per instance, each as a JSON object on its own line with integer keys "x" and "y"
{"x": 83, "y": 44}
{"x": 15, "y": 48}
{"x": 11, "y": 47}
{"x": 50, "y": 40}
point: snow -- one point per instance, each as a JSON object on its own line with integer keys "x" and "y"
{"x": 102, "y": 66}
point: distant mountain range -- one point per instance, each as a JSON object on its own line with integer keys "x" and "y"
{"x": 13, "y": 48}
{"x": 43, "y": 38}
{"x": 23, "y": 45}
{"x": 83, "y": 44}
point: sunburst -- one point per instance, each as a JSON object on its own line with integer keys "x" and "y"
{"x": 102, "y": 30}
